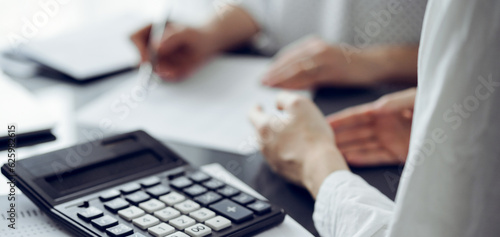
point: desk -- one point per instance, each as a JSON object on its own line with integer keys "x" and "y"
{"x": 251, "y": 169}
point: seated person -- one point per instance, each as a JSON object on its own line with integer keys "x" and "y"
{"x": 449, "y": 185}
{"x": 356, "y": 42}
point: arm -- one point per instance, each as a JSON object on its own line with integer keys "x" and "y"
{"x": 314, "y": 62}
{"x": 228, "y": 30}
{"x": 301, "y": 148}
{"x": 390, "y": 63}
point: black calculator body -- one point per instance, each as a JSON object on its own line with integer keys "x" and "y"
{"x": 132, "y": 185}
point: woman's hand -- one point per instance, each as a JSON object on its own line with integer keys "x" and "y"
{"x": 181, "y": 50}
{"x": 301, "y": 147}
{"x": 376, "y": 133}
{"x": 313, "y": 62}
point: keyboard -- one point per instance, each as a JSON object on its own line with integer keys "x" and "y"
{"x": 178, "y": 202}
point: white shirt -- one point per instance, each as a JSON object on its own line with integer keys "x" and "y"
{"x": 357, "y": 23}
{"x": 450, "y": 184}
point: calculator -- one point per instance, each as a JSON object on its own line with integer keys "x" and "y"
{"x": 132, "y": 185}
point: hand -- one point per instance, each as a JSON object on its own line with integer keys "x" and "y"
{"x": 314, "y": 62}
{"x": 376, "y": 133}
{"x": 301, "y": 147}
{"x": 181, "y": 50}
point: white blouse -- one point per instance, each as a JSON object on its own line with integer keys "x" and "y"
{"x": 450, "y": 184}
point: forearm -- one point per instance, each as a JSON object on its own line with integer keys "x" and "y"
{"x": 230, "y": 29}
{"x": 322, "y": 161}
{"x": 391, "y": 63}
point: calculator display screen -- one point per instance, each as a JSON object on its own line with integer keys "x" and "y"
{"x": 101, "y": 172}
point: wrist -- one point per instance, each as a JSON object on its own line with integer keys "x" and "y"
{"x": 320, "y": 163}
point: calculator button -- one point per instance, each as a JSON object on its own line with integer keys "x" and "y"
{"x": 152, "y": 205}
{"x": 104, "y": 222}
{"x": 172, "y": 198}
{"x": 108, "y": 195}
{"x": 89, "y": 213}
{"x": 187, "y": 206}
{"x": 158, "y": 191}
{"x": 208, "y": 198}
{"x": 119, "y": 231}
{"x": 243, "y": 199}
{"x": 228, "y": 191}
{"x": 218, "y": 223}
{"x": 181, "y": 182}
{"x": 195, "y": 190}
{"x": 175, "y": 175}
{"x": 116, "y": 204}
{"x": 146, "y": 221}
{"x": 130, "y": 188}
{"x": 161, "y": 230}
{"x": 260, "y": 207}
{"x": 178, "y": 234}
{"x": 198, "y": 230}
{"x": 131, "y": 213}
{"x": 167, "y": 214}
{"x": 213, "y": 184}
{"x": 232, "y": 210}
{"x": 199, "y": 176}
{"x": 202, "y": 214}
{"x": 137, "y": 197}
{"x": 182, "y": 222}
{"x": 149, "y": 182}
{"x": 136, "y": 235}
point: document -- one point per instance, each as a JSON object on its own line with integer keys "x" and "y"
{"x": 22, "y": 109}
{"x": 209, "y": 109}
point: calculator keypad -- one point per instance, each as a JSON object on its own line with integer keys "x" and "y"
{"x": 193, "y": 204}
{"x": 145, "y": 221}
{"x": 131, "y": 213}
{"x": 172, "y": 198}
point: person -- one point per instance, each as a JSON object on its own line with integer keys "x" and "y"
{"x": 449, "y": 185}
{"x": 340, "y": 43}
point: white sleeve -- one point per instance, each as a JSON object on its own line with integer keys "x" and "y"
{"x": 348, "y": 206}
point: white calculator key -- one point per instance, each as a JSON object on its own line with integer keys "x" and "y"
{"x": 145, "y": 221}
{"x": 182, "y": 222}
{"x": 218, "y": 223}
{"x": 178, "y": 234}
{"x": 202, "y": 215}
{"x": 167, "y": 214}
{"x": 161, "y": 230}
{"x": 172, "y": 198}
{"x": 198, "y": 230}
{"x": 187, "y": 206}
{"x": 152, "y": 205}
{"x": 131, "y": 213}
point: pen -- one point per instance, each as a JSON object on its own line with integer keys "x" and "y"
{"x": 155, "y": 35}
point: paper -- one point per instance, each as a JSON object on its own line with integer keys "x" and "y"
{"x": 30, "y": 220}
{"x": 210, "y": 109}
{"x": 18, "y": 106}
{"x": 90, "y": 51}
{"x": 289, "y": 227}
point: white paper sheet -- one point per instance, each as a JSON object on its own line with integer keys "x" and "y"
{"x": 18, "y": 106}
{"x": 209, "y": 109}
